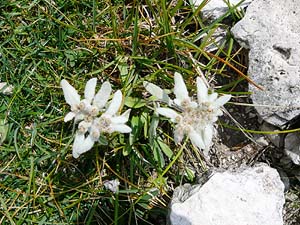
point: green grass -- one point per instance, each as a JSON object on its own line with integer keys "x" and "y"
{"x": 125, "y": 42}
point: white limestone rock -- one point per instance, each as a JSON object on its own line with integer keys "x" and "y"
{"x": 251, "y": 196}
{"x": 271, "y": 30}
{"x": 214, "y": 9}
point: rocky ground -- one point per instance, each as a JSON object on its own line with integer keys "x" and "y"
{"x": 273, "y": 106}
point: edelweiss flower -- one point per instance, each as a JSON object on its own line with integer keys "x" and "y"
{"x": 87, "y": 110}
{"x": 195, "y": 119}
{"x": 5, "y": 88}
{"x": 82, "y": 108}
{"x": 112, "y": 185}
{"x": 108, "y": 122}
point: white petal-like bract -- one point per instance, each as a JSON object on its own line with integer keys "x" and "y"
{"x": 212, "y": 97}
{"x": 81, "y": 144}
{"x": 157, "y": 92}
{"x": 221, "y": 101}
{"x": 196, "y": 139}
{"x": 126, "y": 114}
{"x": 115, "y": 104}
{"x": 103, "y": 95}
{"x": 180, "y": 89}
{"x": 208, "y": 135}
{"x": 122, "y": 128}
{"x": 119, "y": 119}
{"x": 170, "y": 113}
{"x": 71, "y": 95}
{"x": 69, "y": 116}
{"x": 201, "y": 91}
{"x": 90, "y": 88}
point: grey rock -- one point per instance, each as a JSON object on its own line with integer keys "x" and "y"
{"x": 214, "y": 9}
{"x": 292, "y": 143}
{"x": 284, "y": 178}
{"x": 296, "y": 173}
{"x": 274, "y": 138}
{"x": 271, "y": 30}
{"x": 217, "y": 39}
{"x": 249, "y": 196}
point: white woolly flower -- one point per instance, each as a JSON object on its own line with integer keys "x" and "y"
{"x": 194, "y": 119}
{"x": 108, "y": 122}
{"x": 5, "y": 88}
{"x": 91, "y": 104}
{"x": 112, "y": 185}
{"x": 87, "y": 111}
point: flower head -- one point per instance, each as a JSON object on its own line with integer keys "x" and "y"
{"x": 91, "y": 104}
{"x": 87, "y": 110}
{"x": 108, "y": 122}
{"x": 193, "y": 118}
{"x": 112, "y": 185}
{"x": 5, "y": 88}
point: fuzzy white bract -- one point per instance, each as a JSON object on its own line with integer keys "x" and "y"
{"x": 112, "y": 185}
{"x": 5, "y": 88}
{"x": 193, "y": 118}
{"x": 93, "y": 114}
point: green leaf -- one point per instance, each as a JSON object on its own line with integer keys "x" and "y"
{"x": 126, "y": 150}
{"x": 158, "y": 155}
{"x": 103, "y": 140}
{"x": 123, "y": 68}
{"x": 165, "y": 148}
{"x": 152, "y": 128}
{"x": 190, "y": 174}
{"x": 136, "y": 125}
{"x": 134, "y": 102}
{"x": 145, "y": 119}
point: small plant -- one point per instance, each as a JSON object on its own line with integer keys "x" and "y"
{"x": 86, "y": 112}
{"x": 192, "y": 118}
